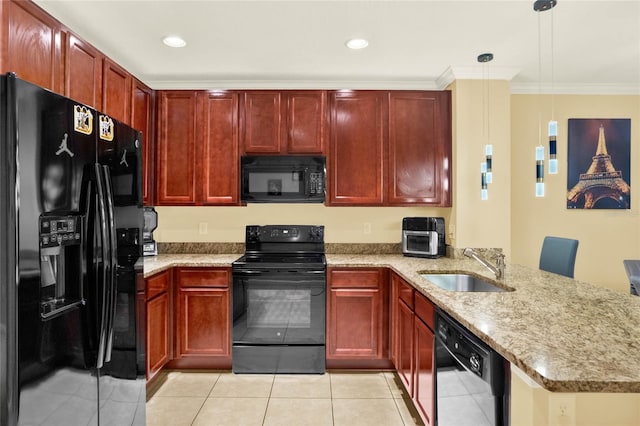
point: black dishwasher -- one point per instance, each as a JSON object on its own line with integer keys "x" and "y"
{"x": 472, "y": 380}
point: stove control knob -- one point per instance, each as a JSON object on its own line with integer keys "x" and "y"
{"x": 253, "y": 234}
{"x": 316, "y": 233}
{"x": 475, "y": 363}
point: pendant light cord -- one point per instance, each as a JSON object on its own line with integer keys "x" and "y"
{"x": 553, "y": 92}
{"x": 539, "y": 81}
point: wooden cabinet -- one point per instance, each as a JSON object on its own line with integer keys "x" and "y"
{"x": 306, "y": 120}
{"x": 158, "y": 322}
{"x": 116, "y": 91}
{"x": 219, "y": 142}
{"x": 176, "y": 148}
{"x": 203, "y": 316}
{"x": 262, "y": 122}
{"x": 357, "y": 144}
{"x": 424, "y": 375}
{"x": 419, "y": 148}
{"x": 405, "y": 342}
{"x": 413, "y": 326}
{"x": 142, "y": 118}
{"x": 287, "y": 122}
{"x": 357, "y": 318}
{"x": 32, "y": 45}
{"x": 197, "y": 149}
{"x": 83, "y": 72}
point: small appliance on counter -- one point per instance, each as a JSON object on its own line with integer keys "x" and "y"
{"x": 149, "y": 245}
{"x": 423, "y": 237}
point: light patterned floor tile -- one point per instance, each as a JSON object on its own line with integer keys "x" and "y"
{"x": 172, "y": 411}
{"x": 408, "y": 412}
{"x": 188, "y": 384}
{"x": 232, "y": 412}
{"x": 366, "y": 412}
{"x": 301, "y": 386}
{"x": 231, "y": 385}
{"x": 359, "y": 385}
{"x": 299, "y": 412}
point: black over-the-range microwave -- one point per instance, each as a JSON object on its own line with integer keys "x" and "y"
{"x": 283, "y": 179}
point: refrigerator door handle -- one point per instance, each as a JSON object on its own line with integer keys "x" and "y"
{"x": 113, "y": 245}
{"x": 103, "y": 282}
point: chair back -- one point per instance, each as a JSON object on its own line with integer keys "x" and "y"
{"x": 558, "y": 255}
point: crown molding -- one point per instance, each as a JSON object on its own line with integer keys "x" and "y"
{"x": 452, "y": 74}
{"x": 574, "y": 89}
{"x": 291, "y": 84}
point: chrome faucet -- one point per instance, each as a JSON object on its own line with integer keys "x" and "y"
{"x": 498, "y": 269}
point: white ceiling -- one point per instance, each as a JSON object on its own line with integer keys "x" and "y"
{"x": 412, "y": 44}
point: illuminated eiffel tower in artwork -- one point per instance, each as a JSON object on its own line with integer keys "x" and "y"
{"x": 601, "y": 181}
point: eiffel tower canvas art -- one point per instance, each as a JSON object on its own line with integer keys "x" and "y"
{"x": 599, "y": 172}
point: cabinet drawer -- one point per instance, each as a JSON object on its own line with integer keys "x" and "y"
{"x": 158, "y": 284}
{"x": 365, "y": 278}
{"x": 424, "y": 310}
{"x": 405, "y": 292}
{"x": 203, "y": 277}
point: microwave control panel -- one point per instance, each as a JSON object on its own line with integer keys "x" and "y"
{"x": 316, "y": 183}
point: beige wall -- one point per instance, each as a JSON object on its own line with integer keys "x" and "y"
{"x": 343, "y": 224}
{"x": 480, "y": 223}
{"x": 607, "y": 237}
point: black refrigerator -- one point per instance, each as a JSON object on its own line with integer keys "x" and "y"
{"x": 71, "y": 277}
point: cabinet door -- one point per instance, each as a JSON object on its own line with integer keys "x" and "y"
{"x": 116, "y": 91}
{"x": 142, "y": 114}
{"x": 306, "y": 121}
{"x": 204, "y": 322}
{"x": 424, "y": 392}
{"x": 262, "y": 122}
{"x": 83, "y": 72}
{"x": 219, "y": 140}
{"x": 405, "y": 356}
{"x": 176, "y": 148}
{"x": 355, "y": 323}
{"x": 32, "y": 44}
{"x": 357, "y": 138}
{"x": 157, "y": 334}
{"x": 419, "y": 148}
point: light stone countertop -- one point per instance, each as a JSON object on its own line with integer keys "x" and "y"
{"x": 568, "y": 336}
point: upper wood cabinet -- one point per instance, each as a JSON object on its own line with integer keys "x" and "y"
{"x": 197, "y": 148}
{"x": 32, "y": 45}
{"x": 218, "y": 137}
{"x": 306, "y": 120}
{"x": 142, "y": 115}
{"x": 419, "y": 148}
{"x": 261, "y": 122}
{"x": 176, "y": 148}
{"x": 116, "y": 91}
{"x": 357, "y": 144}
{"x": 287, "y": 122}
{"x": 83, "y": 72}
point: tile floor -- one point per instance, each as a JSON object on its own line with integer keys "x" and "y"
{"x": 337, "y": 398}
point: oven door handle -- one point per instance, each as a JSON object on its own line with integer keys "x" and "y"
{"x": 312, "y": 272}
{"x": 247, "y": 272}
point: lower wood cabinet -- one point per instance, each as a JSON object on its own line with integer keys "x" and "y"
{"x": 413, "y": 325}
{"x": 202, "y": 318}
{"x": 158, "y": 316}
{"x": 357, "y": 318}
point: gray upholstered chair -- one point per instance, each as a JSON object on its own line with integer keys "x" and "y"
{"x": 558, "y": 255}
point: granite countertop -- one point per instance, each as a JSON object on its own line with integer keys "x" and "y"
{"x": 568, "y": 336}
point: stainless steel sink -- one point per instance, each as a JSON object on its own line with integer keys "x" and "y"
{"x": 462, "y": 282}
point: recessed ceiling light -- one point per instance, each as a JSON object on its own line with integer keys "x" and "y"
{"x": 357, "y": 43}
{"x": 174, "y": 41}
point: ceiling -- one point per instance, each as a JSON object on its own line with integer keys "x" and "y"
{"x": 412, "y": 44}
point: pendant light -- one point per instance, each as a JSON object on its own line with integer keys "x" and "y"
{"x": 486, "y": 168}
{"x": 552, "y": 130}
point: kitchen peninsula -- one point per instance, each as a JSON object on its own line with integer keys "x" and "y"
{"x": 571, "y": 338}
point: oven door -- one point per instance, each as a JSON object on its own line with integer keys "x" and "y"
{"x": 279, "y": 307}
